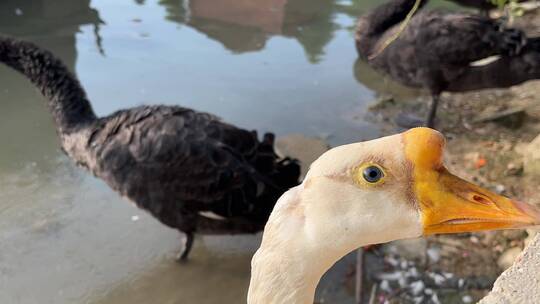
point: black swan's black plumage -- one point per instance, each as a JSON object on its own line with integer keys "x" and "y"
{"x": 436, "y": 50}
{"x": 174, "y": 162}
{"x": 483, "y": 5}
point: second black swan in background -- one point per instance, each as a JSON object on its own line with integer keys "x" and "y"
{"x": 439, "y": 51}
{"x": 190, "y": 170}
{"x": 483, "y": 5}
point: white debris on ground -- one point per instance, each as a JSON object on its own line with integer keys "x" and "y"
{"x": 409, "y": 275}
{"x": 417, "y": 287}
{"x": 434, "y": 254}
{"x": 403, "y": 281}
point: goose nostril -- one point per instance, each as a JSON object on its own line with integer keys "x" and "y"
{"x": 481, "y": 199}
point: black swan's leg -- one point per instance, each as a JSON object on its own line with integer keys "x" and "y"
{"x": 215, "y": 227}
{"x": 183, "y": 255}
{"x": 430, "y": 121}
{"x": 408, "y": 120}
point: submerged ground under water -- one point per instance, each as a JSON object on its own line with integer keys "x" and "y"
{"x": 270, "y": 65}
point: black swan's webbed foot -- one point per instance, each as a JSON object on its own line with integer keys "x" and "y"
{"x": 183, "y": 255}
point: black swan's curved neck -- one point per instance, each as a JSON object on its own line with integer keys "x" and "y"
{"x": 372, "y": 26}
{"x": 67, "y": 100}
{"x": 389, "y": 14}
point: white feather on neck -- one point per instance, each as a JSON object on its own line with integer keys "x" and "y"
{"x": 296, "y": 251}
{"x": 282, "y": 271}
{"x": 318, "y": 222}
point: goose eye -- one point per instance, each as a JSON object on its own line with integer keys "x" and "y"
{"x": 372, "y": 174}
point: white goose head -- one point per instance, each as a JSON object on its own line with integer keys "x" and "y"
{"x": 371, "y": 192}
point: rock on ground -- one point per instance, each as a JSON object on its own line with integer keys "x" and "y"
{"x": 521, "y": 282}
{"x": 532, "y": 157}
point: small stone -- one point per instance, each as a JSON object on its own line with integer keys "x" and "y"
{"x": 417, "y": 287}
{"x": 402, "y": 282}
{"x": 392, "y": 261}
{"x": 513, "y": 169}
{"x": 385, "y": 286}
{"x": 403, "y": 264}
{"x": 467, "y": 299}
{"x": 135, "y": 218}
{"x": 412, "y": 273}
{"x": 474, "y": 239}
{"x": 437, "y": 278}
{"x": 500, "y": 188}
{"x": 434, "y": 254}
{"x": 18, "y": 12}
{"x": 508, "y": 257}
{"x": 418, "y": 300}
{"x": 435, "y": 299}
{"x": 394, "y": 276}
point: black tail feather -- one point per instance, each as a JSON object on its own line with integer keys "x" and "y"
{"x": 505, "y": 72}
{"x": 287, "y": 173}
{"x": 511, "y": 42}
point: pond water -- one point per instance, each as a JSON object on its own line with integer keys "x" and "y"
{"x": 286, "y": 66}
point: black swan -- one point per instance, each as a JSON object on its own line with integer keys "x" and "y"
{"x": 190, "y": 170}
{"x": 483, "y": 5}
{"x": 441, "y": 51}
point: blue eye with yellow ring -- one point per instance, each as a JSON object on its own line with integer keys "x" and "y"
{"x": 372, "y": 174}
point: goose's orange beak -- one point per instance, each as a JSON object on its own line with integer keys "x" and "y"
{"x": 449, "y": 204}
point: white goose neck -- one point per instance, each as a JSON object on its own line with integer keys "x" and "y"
{"x": 283, "y": 279}
{"x": 286, "y": 268}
